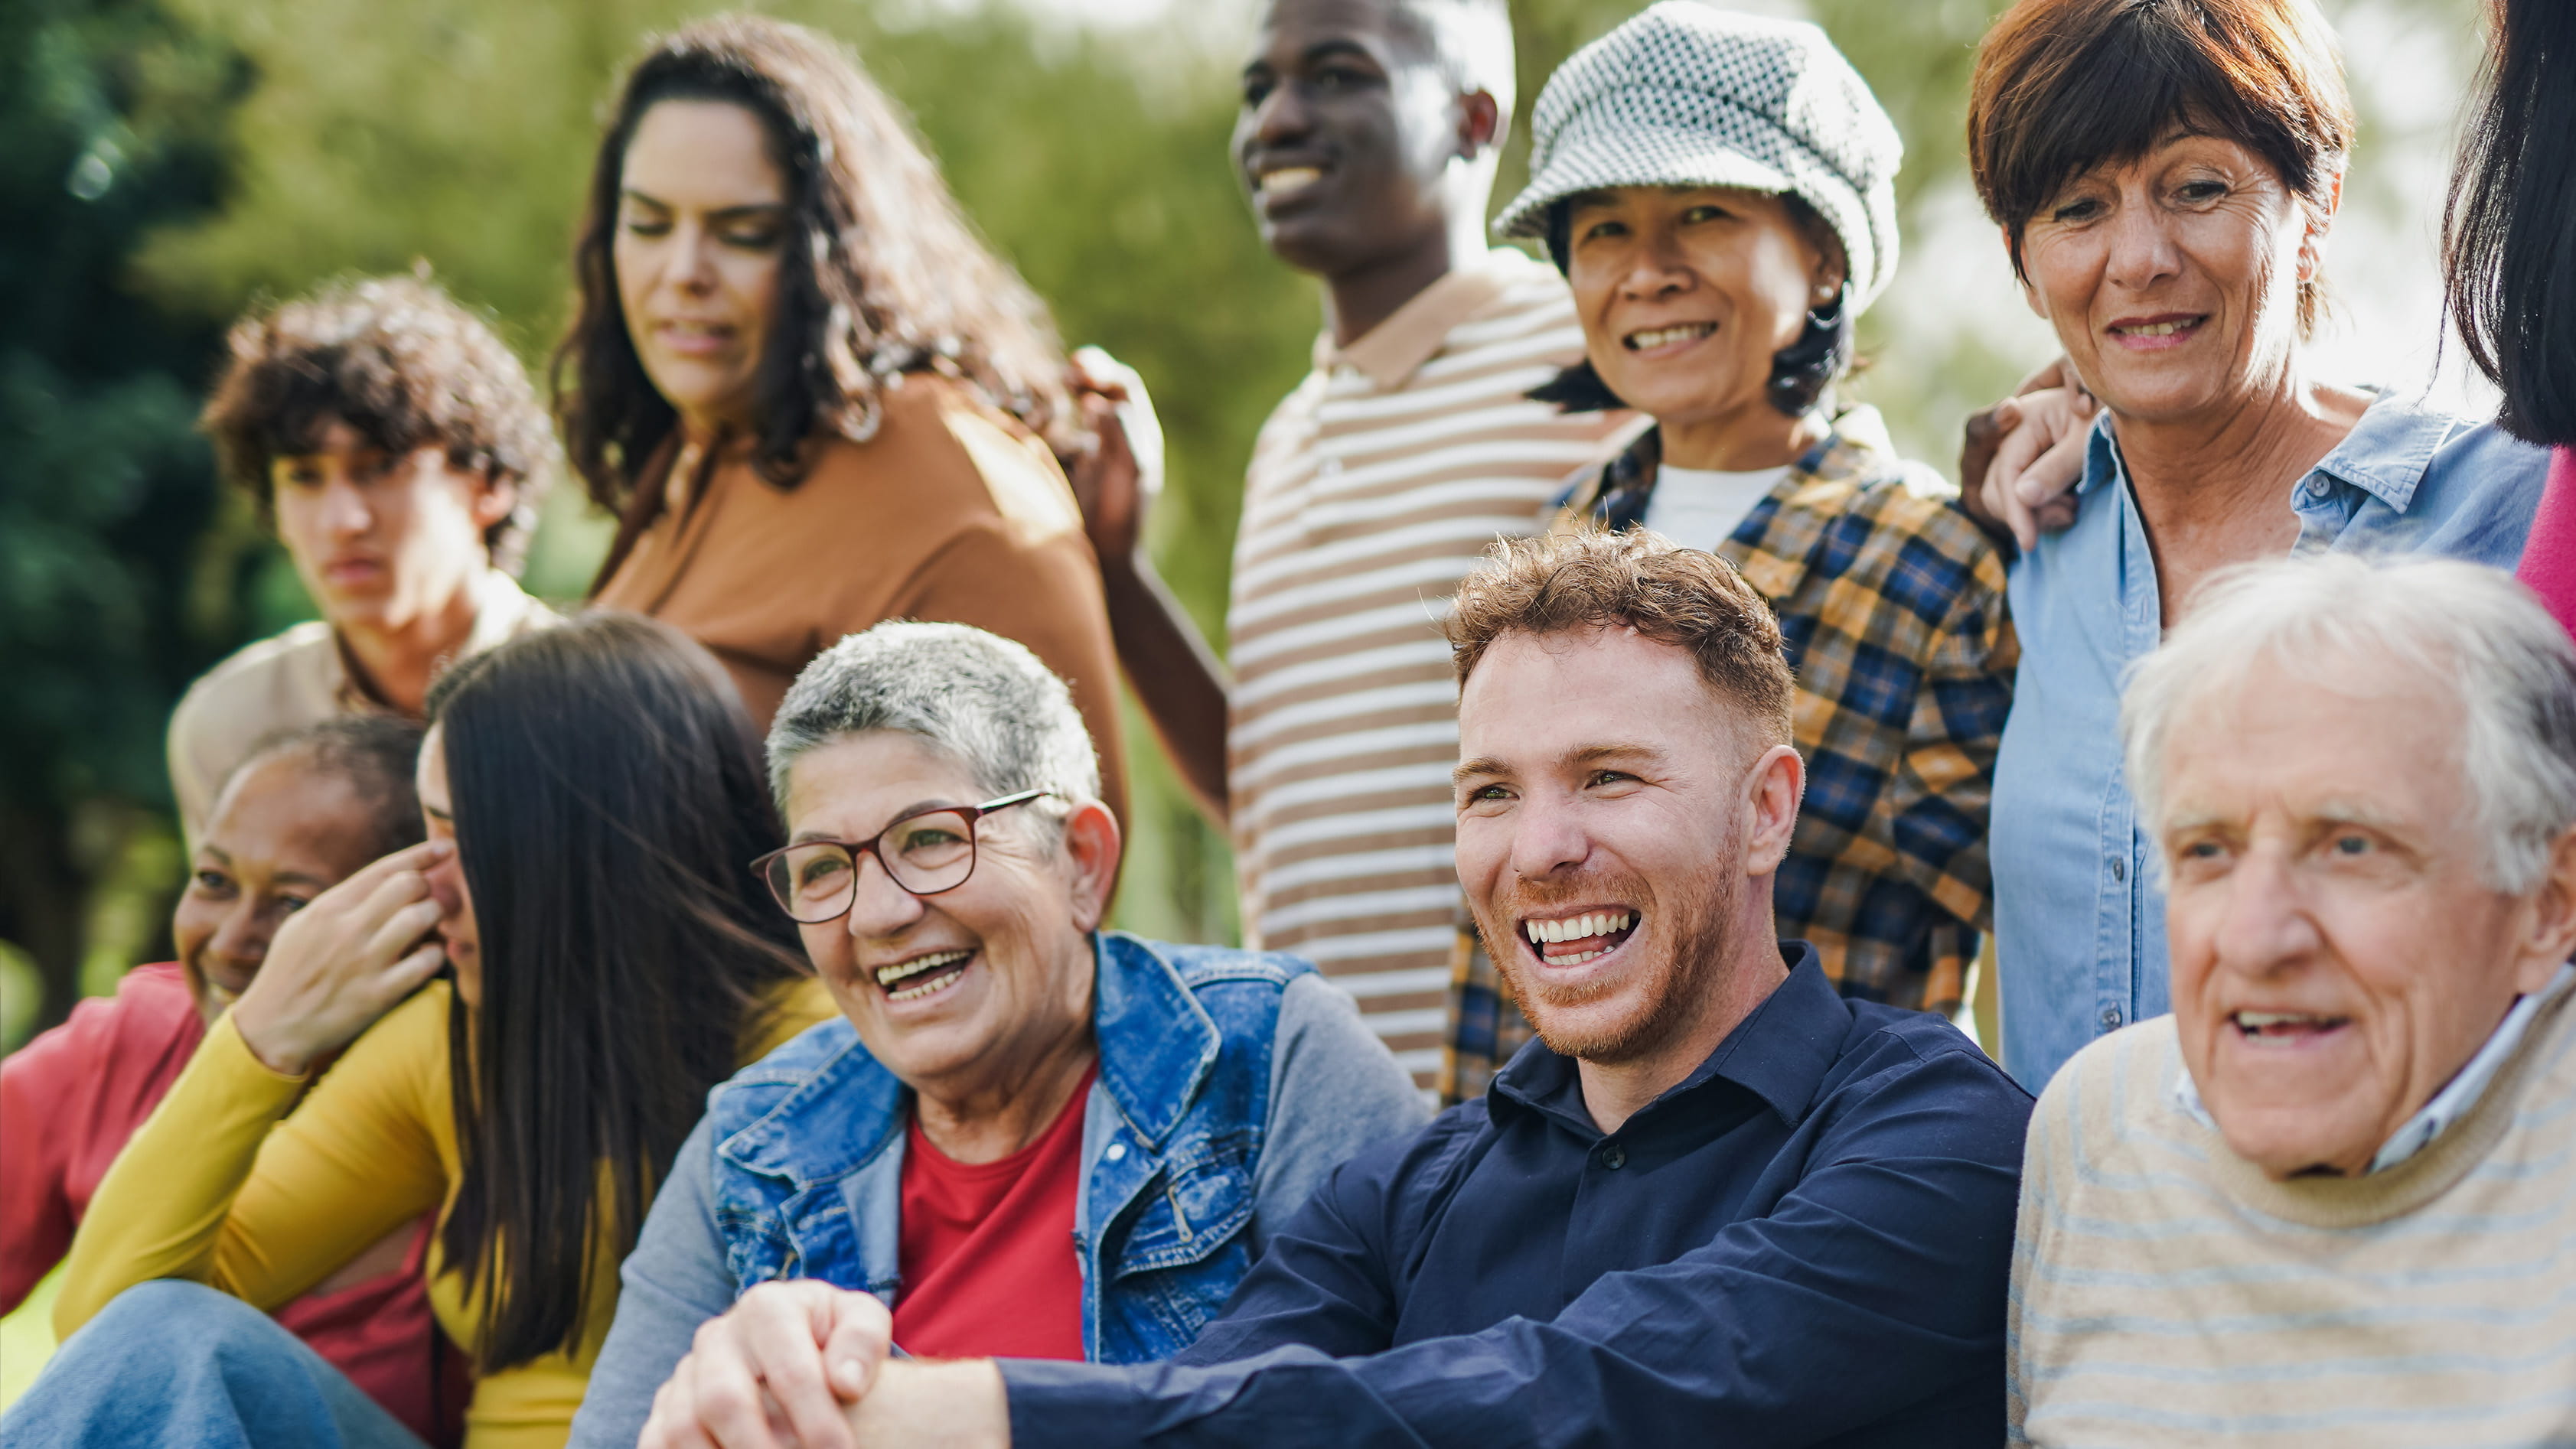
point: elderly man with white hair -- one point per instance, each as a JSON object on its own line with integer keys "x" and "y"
{"x": 2330, "y": 1198}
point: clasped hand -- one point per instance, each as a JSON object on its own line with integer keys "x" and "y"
{"x": 801, "y": 1364}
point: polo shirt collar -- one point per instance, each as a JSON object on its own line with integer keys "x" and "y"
{"x": 1392, "y": 351}
{"x": 1781, "y": 1054}
{"x": 2384, "y": 455}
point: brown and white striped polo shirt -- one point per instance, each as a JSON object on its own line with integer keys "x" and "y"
{"x": 1375, "y": 487}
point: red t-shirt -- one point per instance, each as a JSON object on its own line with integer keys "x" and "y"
{"x": 68, "y": 1102}
{"x": 987, "y": 1248}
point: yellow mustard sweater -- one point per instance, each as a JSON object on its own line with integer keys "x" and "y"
{"x": 243, "y": 1180}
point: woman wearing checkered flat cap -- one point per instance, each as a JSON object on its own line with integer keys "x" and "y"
{"x": 1717, "y": 188}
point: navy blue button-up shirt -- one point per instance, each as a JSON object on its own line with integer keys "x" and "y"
{"x": 1805, "y": 1242}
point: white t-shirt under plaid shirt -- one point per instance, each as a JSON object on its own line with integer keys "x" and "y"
{"x": 1375, "y": 487}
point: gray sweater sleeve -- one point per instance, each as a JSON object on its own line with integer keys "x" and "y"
{"x": 675, "y": 1280}
{"x": 1334, "y": 1090}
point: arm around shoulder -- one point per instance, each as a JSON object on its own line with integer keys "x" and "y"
{"x": 244, "y": 1181}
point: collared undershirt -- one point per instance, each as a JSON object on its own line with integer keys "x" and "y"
{"x": 2449, "y": 1105}
{"x": 1702, "y": 507}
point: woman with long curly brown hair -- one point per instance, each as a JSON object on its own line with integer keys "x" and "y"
{"x": 811, "y": 394}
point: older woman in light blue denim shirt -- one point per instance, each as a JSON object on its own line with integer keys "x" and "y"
{"x": 949, "y": 862}
{"x": 2165, "y": 178}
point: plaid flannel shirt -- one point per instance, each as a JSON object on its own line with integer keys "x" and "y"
{"x": 1891, "y": 604}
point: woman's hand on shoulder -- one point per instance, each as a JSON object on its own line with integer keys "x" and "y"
{"x": 2021, "y": 459}
{"x": 343, "y": 961}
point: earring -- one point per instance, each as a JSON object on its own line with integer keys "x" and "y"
{"x": 1828, "y": 311}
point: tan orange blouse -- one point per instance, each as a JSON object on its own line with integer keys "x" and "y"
{"x": 953, "y": 513}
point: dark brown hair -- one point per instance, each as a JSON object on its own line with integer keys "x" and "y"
{"x": 608, "y": 796}
{"x": 2509, "y": 239}
{"x": 2064, "y": 86}
{"x": 881, "y": 273}
{"x": 403, "y": 365}
{"x": 374, "y": 754}
{"x": 1595, "y": 579}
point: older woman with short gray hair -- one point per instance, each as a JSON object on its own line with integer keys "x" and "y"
{"x": 2326, "y": 1199}
{"x": 1030, "y": 1137}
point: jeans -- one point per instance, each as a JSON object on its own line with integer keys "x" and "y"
{"x": 180, "y": 1363}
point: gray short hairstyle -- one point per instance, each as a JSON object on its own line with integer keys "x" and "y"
{"x": 982, "y": 698}
{"x": 2472, "y": 630}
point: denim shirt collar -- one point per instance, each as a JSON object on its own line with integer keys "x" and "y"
{"x": 1156, "y": 1045}
{"x": 1780, "y": 1053}
{"x": 2384, "y": 455}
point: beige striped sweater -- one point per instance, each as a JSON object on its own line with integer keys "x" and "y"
{"x": 2166, "y": 1292}
{"x": 1373, "y": 490}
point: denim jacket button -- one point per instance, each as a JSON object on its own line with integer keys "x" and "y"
{"x": 1117, "y": 1151}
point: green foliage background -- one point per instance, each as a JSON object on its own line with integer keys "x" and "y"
{"x": 165, "y": 162}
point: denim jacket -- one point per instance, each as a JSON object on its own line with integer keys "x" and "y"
{"x": 809, "y": 1148}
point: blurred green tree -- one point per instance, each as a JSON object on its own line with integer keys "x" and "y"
{"x": 113, "y": 555}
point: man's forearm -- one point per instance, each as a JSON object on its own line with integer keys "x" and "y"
{"x": 923, "y": 1405}
{"x": 1175, "y": 675}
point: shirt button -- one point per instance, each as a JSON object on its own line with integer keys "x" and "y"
{"x": 1614, "y": 1157}
{"x": 2111, "y": 1018}
{"x": 2119, "y": 868}
{"x": 1116, "y": 1151}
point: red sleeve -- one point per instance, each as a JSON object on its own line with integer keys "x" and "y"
{"x": 39, "y": 1085}
{"x": 2549, "y": 559}
{"x": 68, "y": 1102}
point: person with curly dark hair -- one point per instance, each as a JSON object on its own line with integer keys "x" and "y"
{"x": 812, "y": 395}
{"x": 398, "y": 448}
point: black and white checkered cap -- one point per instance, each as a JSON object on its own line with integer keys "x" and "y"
{"x": 1685, "y": 94}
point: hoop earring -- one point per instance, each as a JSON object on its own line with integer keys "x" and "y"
{"x": 1829, "y": 317}
{"x": 1801, "y": 372}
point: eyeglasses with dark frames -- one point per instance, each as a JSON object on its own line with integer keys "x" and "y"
{"x": 926, "y": 852}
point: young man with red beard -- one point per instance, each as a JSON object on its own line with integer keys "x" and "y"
{"x": 1714, "y": 1202}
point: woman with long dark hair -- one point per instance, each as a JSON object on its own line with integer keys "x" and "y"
{"x": 2511, "y": 269}
{"x": 592, "y": 793}
{"x": 811, "y": 394}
